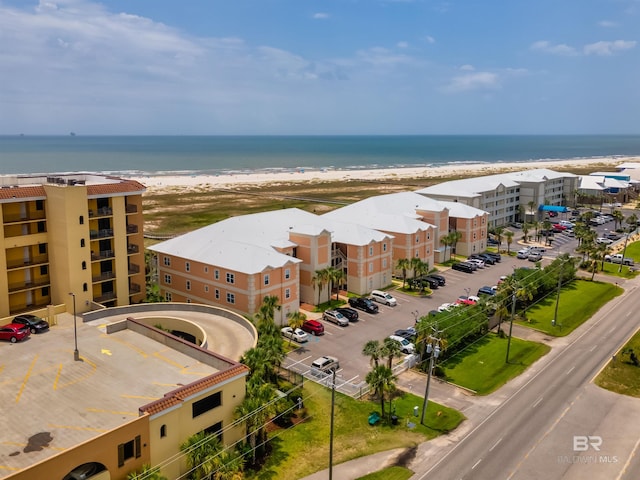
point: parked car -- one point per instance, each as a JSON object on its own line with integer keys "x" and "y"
{"x": 523, "y": 254}
{"x": 487, "y": 259}
{"x": 405, "y": 345}
{"x": 462, "y": 267}
{"x": 14, "y": 332}
{"x": 349, "y": 313}
{"x": 35, "y": 324}
{"x": 613, "y": 236}
{"x": 363, "y": 303}
{"x": 569, "y": 233}
{"x": 441, "y": 280}
{"x": 604, "y": 240}
{"x": 326, "y": 364}
{"x": 486, "y": 290}
{"x": 295, "y": 334}
{"x": 477, "y": 262}
{"x": 516, "y": 224}
{"x": 424, "y": 281}
{"x": 566, "y": 223}
{"x": 336, "y": 317}
{"x": 495, "y": 255}
{"x": 408, "y": 333}
{"x": 534, "y": 257}
{"x": 383, "y": 297}
{"x": 313, "y": 327}
{"x": 491, "y": 241}
{"x": 618, "y": 258}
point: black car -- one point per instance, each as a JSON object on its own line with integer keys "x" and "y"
{"x": 35, "y": 324}
{"x": 441, "y": 280}
{"x": 408, "y": 333}
{"x": 363, "y": 303}
{"x": 424, "y": 281}
{"x": 462, "y": 267}
{"x": 486, "y": 290}
{"x": 496, "y": 256}
{"x": 349, "y": 313}
{"x": 485, "y": 257}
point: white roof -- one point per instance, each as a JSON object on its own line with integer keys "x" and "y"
{"x": 538, "y": 175}
{"x": 246, "y": 243}
{"x": 470, "y": 187}
{"x": 595, "y": 182}
{"x": 628, "y": 165}
{"x": 461, "y": 210}
{"x": 395, "y": 212}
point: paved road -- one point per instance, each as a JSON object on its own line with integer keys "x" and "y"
{"x": 530, "y": 433}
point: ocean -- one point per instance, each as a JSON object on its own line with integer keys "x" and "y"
{"x": 171, "y": 155}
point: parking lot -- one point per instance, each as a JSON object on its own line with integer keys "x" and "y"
{"x": 346, "y": 343}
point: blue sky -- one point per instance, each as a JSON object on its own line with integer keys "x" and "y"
{"x": 267, "y": 67}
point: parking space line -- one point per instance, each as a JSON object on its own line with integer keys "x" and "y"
{"x": 82, "y": 429}
{"x": 113, "y": 412}
{"x": 26, "y": 378}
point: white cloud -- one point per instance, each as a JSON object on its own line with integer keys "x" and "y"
{"x": 321, "y": 16}
{"x": 467, "y": 68}
{"x": 430, "y": 39}
{"x": 402, "y": 44}
{"x": 474, "y": 81}
{"x": 557, "y": 49}
{"x": 607, "y": 24}
{"x": 604, "y": 48}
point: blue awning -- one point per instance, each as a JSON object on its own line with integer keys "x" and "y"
{"x": 553, "y": 208}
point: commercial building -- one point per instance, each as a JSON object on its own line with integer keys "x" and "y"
{"x": 70, "y": 233}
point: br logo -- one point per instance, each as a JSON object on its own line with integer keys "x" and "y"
{"x": 582, "y": 443}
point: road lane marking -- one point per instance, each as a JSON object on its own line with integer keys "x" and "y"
{"x": 626, "y": 465}
{"x": 537, "y": 402}
{"x": 26, "y": 378}
{"x": 476, "y": 464}
{"x": 495, "y": 444}
{"x": 593, "y": 348}
{"x": 570, "y": 370}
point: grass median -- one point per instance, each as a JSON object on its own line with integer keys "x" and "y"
{"x": 579, "y": 301}
{"x": 482, "y": 366}
{"x": 304, "y": 449}
{"x": 622, "y": 375}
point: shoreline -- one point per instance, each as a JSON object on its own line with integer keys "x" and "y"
{"x": 158, "y": 183}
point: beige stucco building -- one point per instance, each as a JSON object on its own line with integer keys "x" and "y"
{"x": 71, "y": 233}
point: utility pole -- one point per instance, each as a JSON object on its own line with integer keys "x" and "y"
{"x": 433, "y": 349}
{"x": 333, "y": 402}
{"x": 555, "y": 314}
{"x": 513, "y": 314}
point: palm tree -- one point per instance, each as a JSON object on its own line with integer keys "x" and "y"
{"x": 318, "y": 280}
{"x": 416, "y": 265}
{"x": 455, "y": 238}
{"x": 532, "y": 209}
{"x": 632, "y": 221}
{"x": 336, "y": 275}
{"x": 509, "y": 235}
{"x": 391, "y": 350}
{"x": 373, "y": 349}
{"x": 381, "y": 380}
{"x": 228, "y": 465}
{"x": 525, "y": 231}
{"x": 498, "y": 233}
{"x": 200, "y": 450}
{"x": 147, "y": 473}
{"x": 618, "y": 218}
{"x": 446, "y": 241}
{"x": 403, "y": 264}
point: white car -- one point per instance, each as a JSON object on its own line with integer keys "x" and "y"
{"x": 383, "y": 297}
{"x": 477, "y": 261}
{"x": 405, "y": 345}
{"x": 445, "y": 307}
{"x": 603, "y": 240}
{"x": 523, "y": 254}
{"x": 297, "y": 335}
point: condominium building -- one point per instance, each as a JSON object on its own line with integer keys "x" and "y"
{"x": 79, "y": 234}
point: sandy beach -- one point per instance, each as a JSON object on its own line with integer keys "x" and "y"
{"x": 203, "y": 182}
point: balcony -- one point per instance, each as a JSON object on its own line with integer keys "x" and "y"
{"x": 21, "y": 218}
{"x": 134, "y": 288}
{"x": 105, "y": 297}
{"x": 131, "y": 208}
{"x": 101, "y": 212}
{"x": 24, "y": 286}
{"x": 132, "y": 229}
{"x": 102, "y": 255}
{"x": 104, "y": 233}
{"x": 28, "y": 262}
{"x": 102, "y": 277}
{"x": 134, "y": 269}
{"x": 132, "y": 249}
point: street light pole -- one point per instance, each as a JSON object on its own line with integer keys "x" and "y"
{"x": 333, "y": 402}
{"x": 76, "y": 353}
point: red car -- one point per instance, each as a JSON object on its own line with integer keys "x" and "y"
{"x": 559, "y": 227}
{"x": 313, "y": 327}
{"x": 14, "y": 332}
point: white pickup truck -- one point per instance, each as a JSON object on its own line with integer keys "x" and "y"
{"x": 618, "y": 258}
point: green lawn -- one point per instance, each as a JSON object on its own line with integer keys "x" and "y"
{"x": 481, "y": 366}
{"x": 304, "y": 449}
{"x": 578, "y": 302}
{"x": 621, "y": 376}
{"x": 391, "y": 473}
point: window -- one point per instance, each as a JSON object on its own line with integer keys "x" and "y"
{"x": 188, "y": 284}
{"x": 216, "y": 275}
{"x": 428, "y": 235}
{"x": 85, "y": 287}
{"x": 84, "y": 265}
{"x": 231, "y": 278}
{"x": 370, "y": 251}
{"x": 206, "y": 288}
{"x": 217, "y": 294}
{"x": 45, "y": 291}
{"x": 166, "y": 261}
{"x": 370, "y": 267}
{"x": 266, "y": 279}
{"x": 384, "y": 247}
{"x": 129, "y": 450}
{"x": 287, "y": 293}
{"x": 167, "y": 279}
{"x": 167, "y": 296}
{"x": 82, "y": 243}
{"x": 39, "y": 204}
{"x": 44, "y": 270}
{"x": 417, "y": 238}
{"x": 208, "y": 403}
{"x": 384, "y": 263}
{"x": 42, "y": 248}
{"x": 231, "y": 298}
{"x": 206, "y": 269}
{"x": 287, "y": 274}
{"x": 187, "y": 266}
{"x": 188, "y": 300}
{"x": 81, "y": 219}
{"x": 163, "y": 431}
{"x": 216, "y": 430}
{"x": 41, "y": 227}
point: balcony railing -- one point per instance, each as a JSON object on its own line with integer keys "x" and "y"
{"x": 132, "y": 229}
{"x": 105, "y": 297}
{"x": 103, "y": 254}
{"x": 28, "y": 262}
{"x": 102, "y": 277}
{"x": 131, "y": 249}
{"x": 104, "y": 233}
{"x": 133, "y": 269}
{"x": 134, "y": 288}
{"x": 22, "y": 286}
{"x": 21, "y": 218}
{"x": 101, "y": 212}
{"x": 131, "y": 209}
